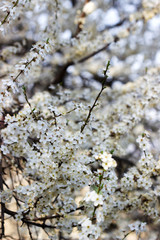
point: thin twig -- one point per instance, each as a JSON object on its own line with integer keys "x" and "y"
{"x": 30, "y": 234}
{"x": 98, "y": 96}
{"x": 25, "y": 95}
{"x": 94, "y": 53}
{"x": 114, "y": 25}
{"x": 55, "y": 120}
{"x": 22, "y": 71}
{"x": 8, "y": 13}
{"x": 127, "y": 234}
{"x": 116, "y": 39}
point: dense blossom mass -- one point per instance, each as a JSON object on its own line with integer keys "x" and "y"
{"x": 80, "y": 117}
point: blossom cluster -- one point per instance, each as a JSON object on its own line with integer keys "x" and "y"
{"x": 107, "y": 160}
{"x": 58, "y": 161}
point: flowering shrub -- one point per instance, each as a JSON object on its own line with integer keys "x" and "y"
{"x": 79, "y": 146}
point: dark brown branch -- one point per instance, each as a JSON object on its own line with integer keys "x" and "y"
{"x": 98, "y": 51}
{"x": 94, "y": 53}
{"x": 62, "y": 70}
{"x": 43, "y": 225}
{"x": 30, "y": 233}
{"x": 9, "y": 212}
{"x": 28, "y": 222}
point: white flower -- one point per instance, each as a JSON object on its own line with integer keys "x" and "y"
{"x": 94, "y": 197}
{"x": 107, "y": 160}
{"x": 4, "y": 149}
{"x": 89, "y": 8}
{"x": 87, "y": 226}
{"x": 144, "y": 182}
{"x": 99, "y": 215}
{"x": 144, "y": 141}
{"x": 138, "y": 227}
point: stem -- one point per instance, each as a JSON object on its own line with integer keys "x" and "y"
{"x": 22, "y": 71}
{"x": 25, "y": 94}
{"x": 99, "y": 189}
